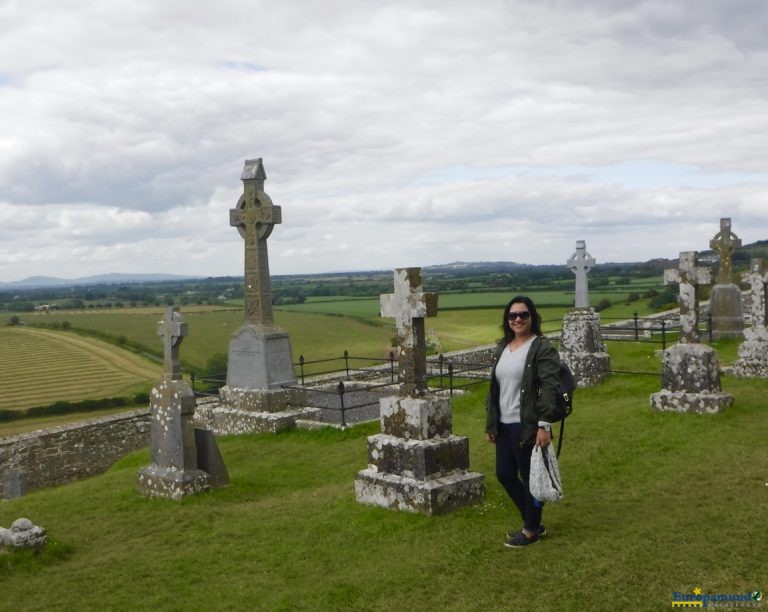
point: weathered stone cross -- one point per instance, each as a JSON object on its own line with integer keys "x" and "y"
{"x": 689, "y": 277}
{"x": 409, "y": 306}
{"x": 254, "y": 217}
{"x": 580, "y": 263}
{"x": 725, "y": 243}
{"x": 172, "y": 329}
{"x": 757, "y": 278}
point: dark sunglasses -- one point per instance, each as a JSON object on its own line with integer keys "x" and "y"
{"x": 523, "y": 316}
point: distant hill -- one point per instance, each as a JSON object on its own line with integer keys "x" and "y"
{"x": 99, "y": 279}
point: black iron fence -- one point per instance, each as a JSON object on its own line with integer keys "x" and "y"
{"x": 346, "y": 386}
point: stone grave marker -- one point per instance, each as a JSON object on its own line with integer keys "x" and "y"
{"x": 690, "y": 376}
{"x": 581, "y": 343}
{"x": 753, "y": 352}
{"x": 725, "y": 302}
{"x": 22, "y": 534}
{"x": 256, "y": 396}
{"x": 416, "y": 464}
{"x": 175, "y": 471}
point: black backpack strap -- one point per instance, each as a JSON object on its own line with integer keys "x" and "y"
{"x": 560, "y": 439}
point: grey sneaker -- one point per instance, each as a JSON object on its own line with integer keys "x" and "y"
{"x": 519, "y": 539}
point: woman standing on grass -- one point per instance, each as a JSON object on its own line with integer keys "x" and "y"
{"x": 521, "y": 406}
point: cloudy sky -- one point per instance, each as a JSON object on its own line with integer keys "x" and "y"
{"x": 393, "y": 133}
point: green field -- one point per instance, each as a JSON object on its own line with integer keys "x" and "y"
{"x": 41, "y": 367}
{"x": 654, "y": 504}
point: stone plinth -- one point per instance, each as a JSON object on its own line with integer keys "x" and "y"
{"x": 690, "y": 381}
{"x": 753, "y": 355}
{"x": 175, "y": 471}
{"x": 260, "y": 411}
{"x": 417, "y": 464}
{"x": 22, "y": 534}
{"x": 727, "y": 312}
{"x": 582, "y": 347}
{"x": 260, "y": 359}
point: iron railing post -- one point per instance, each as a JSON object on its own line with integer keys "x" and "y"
{"x": 636, "y": 329}
{"x": 301, "y": 366}
{"x": 663, "y": 334}
{"x": 440, "y": 360}
{"x": 341, "y": 400}
{"x": 392, "y": 366}
{"x": 346, "y": 362}
{"x": 450, "y": 378}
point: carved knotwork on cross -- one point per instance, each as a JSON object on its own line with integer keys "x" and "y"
{"x": 689, "y": 277}
{"x": 172, "y": 330}
{"x": 725, "y": 243}
{"x": 254, "y": 217}
{"x": 409, "y": 305}
{"x": 757, "y": 278}
{"x": 580, "y": 263}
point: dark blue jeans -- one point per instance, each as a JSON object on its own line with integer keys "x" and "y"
{"x": 513, "y": 466}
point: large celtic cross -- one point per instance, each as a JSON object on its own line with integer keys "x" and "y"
{"x": 254, "y": 217}
{"x": 725, "y": 243}
{"x": 580, "y": 263}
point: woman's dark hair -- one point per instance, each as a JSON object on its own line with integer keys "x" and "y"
{"x": 535, "y": 318}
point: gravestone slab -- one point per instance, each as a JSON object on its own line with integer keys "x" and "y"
{"x": 175, "y": 472}
{"x": 690, "y": 371}
{"x": 260, "y": 361}
{"x": 725, "y": 302}
{"x": 753, "y": 352}
{"x": 581, "y": 343}
{"x": 416, "y": 464}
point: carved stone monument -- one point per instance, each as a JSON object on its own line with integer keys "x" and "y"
{"x": 690, "y": 377}
{"x": 260, "y": 362}
{"x": 416, "y": 464}
{"x": 753, "y": 352}
{"x": 185, "y": 461}
{"x": 725, "y": 302}
{"x": 22, "y": 534}
{"x": 581, "y": 344}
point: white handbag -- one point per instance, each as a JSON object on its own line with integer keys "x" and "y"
{"x": 544, "y": 480}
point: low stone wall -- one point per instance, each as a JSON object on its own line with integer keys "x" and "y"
{"x": 54, "y": 456}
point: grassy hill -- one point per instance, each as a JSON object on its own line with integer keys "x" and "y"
{"x": 655, "y": 503}
{"x": 41, "y": 367}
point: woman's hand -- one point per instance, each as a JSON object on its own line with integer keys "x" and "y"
{"x": 543, "y": 438}
{"x": 490, "y": 438}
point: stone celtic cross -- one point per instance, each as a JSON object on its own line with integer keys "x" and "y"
{"x": 580, "y": 263}
{"x": 172, "y": 330}
{"x": 725, "y": 243}
{"x": 409, "y": 305}
{"x": 689, "y": 277}
{"x": 757, "y": 278}
{"x": 254, "y": 217}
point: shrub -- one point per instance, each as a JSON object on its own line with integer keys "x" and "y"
{"x": 603, "y": 304}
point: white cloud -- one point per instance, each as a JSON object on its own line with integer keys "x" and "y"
{"x": 418, "y": 131}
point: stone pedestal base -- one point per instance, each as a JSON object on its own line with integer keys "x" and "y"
{"x": 582, "y": 348}
{"x": 429, "y": 497}
{"x": 417, "y": 464}
{"x": 678, "y": 401}
{"x": 727, "y": 311}
{"x": 753, "y": 355}
{"x": 259, "y": 358}
{"x": 171, "y": 483}
{"x": 690, "y": 381}
{"x": 253, "y": 411}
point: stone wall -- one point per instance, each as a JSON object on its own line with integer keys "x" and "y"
{"x": 54, "y": 456}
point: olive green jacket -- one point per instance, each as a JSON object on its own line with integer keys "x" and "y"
{"x": 538, "y": 394}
